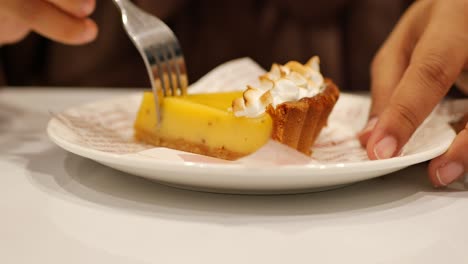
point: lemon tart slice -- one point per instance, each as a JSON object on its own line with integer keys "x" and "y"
{"x": 203, "y": 124}
{"x": 291, "y": 105}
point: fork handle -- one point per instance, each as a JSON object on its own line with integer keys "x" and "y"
{"x": 123, "y": 4}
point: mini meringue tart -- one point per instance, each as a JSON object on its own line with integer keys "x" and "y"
{"x": 290, "y": 105}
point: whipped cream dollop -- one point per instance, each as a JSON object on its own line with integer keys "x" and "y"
{"x": 283, "y": 83}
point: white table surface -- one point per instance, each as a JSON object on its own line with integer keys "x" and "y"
{"x": 56, "y": 207}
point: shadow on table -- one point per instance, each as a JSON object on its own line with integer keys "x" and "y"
{"x": 84, "y": 181}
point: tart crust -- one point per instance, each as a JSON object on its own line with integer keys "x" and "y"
{"x": 189, "y": 146}
{"x": 298, "y": 124}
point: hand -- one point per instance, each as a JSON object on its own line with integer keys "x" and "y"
{"x": 411, "y": 74}
{"x": 64, "y": 21}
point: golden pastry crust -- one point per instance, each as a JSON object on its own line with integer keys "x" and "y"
{"x": 298, "y": 124}
{"x": 188, "y": 146}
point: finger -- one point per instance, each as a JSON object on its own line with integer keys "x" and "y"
{"x": 12, "y": 30}
{"x": 450, "y": 166}
{"x": 364, "y": 135}
{"x": 51, "y": 22}
{"x": 391, "y": 61}
{"x": 436, "y": 62}
{"x": 393, "y": 58}
{"x": 78, "y": 8}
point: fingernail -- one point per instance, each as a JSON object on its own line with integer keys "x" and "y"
{"x": 370, "y": 125}
{"x": 449, "y": 173}
{"x": 385, "y": 148}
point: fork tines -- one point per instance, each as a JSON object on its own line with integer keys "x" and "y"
{"x": 160, "y": 50}
{"x": 168, "y": 68}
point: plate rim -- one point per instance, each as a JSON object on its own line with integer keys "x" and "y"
{"x": 158, "y": 165}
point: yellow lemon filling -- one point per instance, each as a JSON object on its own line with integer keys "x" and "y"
{"x": 202, "y": 123}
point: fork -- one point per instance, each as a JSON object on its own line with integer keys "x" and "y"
{"x": 159, "y": 49}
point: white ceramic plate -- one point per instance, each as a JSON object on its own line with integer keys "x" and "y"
{"x": 102, "y": 131}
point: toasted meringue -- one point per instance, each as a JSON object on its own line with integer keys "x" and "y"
{"x": 253, "y": 102}
{"x": 290, "y": 82}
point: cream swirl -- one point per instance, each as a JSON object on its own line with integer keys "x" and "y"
{"x": 283, "y": 83}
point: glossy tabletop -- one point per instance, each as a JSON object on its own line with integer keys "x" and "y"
{"x": 56, "y": 207}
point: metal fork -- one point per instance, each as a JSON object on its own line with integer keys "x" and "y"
{"x": 160, "y": 50}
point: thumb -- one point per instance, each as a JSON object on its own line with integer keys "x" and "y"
{"x": 450, "y": 166}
